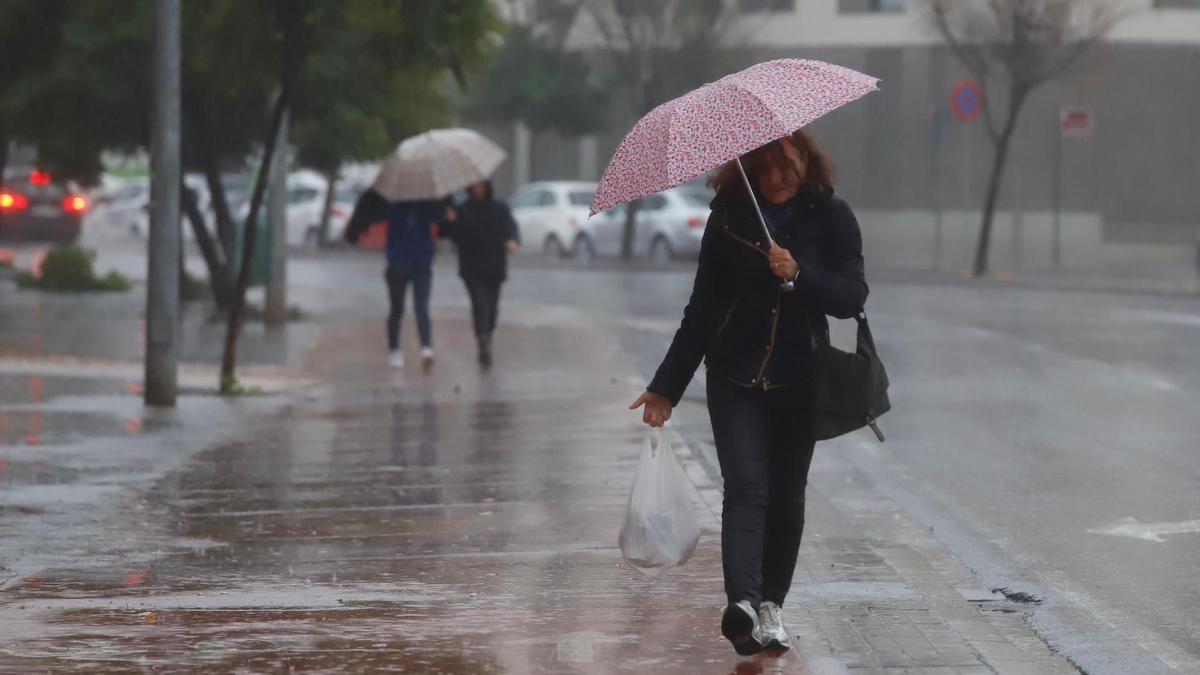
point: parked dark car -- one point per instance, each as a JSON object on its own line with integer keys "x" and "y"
{"x": 34, "y": 207}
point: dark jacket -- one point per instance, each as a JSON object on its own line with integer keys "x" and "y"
{"x": 410, "y": 232}
{"x": 739, "y": 321}
{"x": 370, "y": 207}
{"x": 480, "y": 232}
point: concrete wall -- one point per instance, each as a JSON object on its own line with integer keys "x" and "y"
{"x": 901, "y": 149}
{"x": 1130, "y": 191}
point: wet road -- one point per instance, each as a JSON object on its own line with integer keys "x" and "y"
{"x": 1027, "y": 424}
{"x": 1040, "y": 433}
{"x": 456, "y": 522}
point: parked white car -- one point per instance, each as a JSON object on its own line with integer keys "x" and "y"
{"x": 305, "y": 199}
{"x": 669, "y": 225}
{"x": 122, "y": 210}
{"x": 306, "y": 192}
{"x": 552, "y": 217}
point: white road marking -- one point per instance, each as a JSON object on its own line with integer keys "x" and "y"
{"x": 1131, "y": 527}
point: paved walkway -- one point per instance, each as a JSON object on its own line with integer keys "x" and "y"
{"x": 461, "y": 522}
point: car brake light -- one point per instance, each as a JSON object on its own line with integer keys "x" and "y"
{"x": 39, "y": 178}
{"x": 13, "y": 201}
{"x": 75, "y": 204}
{"x": 695, "y": 222}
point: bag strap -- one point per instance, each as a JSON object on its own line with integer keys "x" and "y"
{"x": 860, "y": 318}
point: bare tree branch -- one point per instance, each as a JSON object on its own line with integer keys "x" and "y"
{"x": 1014, "y": 47}
{"x": 660, "y": 48}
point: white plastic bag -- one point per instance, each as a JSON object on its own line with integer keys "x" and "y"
{"x": 660, "y": 529}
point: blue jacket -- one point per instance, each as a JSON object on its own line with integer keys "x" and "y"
{"x": 409, "y": 239}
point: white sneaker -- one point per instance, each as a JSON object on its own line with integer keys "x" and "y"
{"x": 427, "y": 353}
{"x": 739, "y": 625}
{"x": 396, "y": 359}
{"x": 774, "y": 634}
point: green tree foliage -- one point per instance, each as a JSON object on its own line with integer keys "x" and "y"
{"x": 77, "y": 82}
{"x": 533, "y": 81}
{"x": 356, "y": 75}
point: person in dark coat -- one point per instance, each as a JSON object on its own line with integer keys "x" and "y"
{"x": 484, "y": 232}
{"x": 410, "y": 249}
{"x": 757, "y": 341}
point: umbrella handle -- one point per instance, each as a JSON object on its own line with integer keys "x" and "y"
{"x": 786, "y": 286}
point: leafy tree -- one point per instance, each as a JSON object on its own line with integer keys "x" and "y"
{"x": 354, "y": 74}
{"x": 536, "y": 80}
{"x": 75, "y": 79}
{"x": 407, "y": 36}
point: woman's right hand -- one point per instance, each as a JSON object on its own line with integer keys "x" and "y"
{"x": 658, "y": 408}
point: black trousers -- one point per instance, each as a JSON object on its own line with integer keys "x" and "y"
{"x": 485, "y": 303}
{"x": 398, "y": 279}
{"x": 764, "y": 446}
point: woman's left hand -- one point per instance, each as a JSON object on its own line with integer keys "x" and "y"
{"x": 511, "y": 246}
{"x": 783, "y": 265}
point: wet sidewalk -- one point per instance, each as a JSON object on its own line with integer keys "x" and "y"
{"x": 461, "y": 521}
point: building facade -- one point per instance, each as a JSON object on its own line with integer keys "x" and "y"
{"x": 1134, "y": 178}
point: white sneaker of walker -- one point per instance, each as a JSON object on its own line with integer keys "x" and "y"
{"x": 396, "y": 359}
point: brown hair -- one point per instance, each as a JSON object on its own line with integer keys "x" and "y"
{"x": 818, "y": 172}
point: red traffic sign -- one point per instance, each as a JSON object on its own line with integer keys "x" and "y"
{"x": 1076, "y": 121}
{"x": 967, "y": 100}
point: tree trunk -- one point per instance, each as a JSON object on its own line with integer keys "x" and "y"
{"x": 293, "y": 54}
{"x": 238, "y": 305}
{"x": 533, "y": 136}
{"x": 629, "y": 231}
{"x": 218, "y": 271}
{"x": 3, "y": 153}
{"x": 326, "y": 207}
{"x": 999, "y": 161}
{"x": 212, "y": 175}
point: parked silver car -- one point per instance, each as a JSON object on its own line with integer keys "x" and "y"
{"x": 552, "y": 217}
{"x": 669, "y": 225}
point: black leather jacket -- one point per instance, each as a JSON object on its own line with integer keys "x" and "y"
{"x": 739, "y": 321}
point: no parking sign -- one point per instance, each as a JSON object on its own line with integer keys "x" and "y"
{"x": 967, "y": 100}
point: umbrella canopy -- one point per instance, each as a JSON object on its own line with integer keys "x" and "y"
{"x": 437, "y": 163}
{"x": 685, "y": 137}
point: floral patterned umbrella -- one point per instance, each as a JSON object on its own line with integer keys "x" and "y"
{"x": 683, "y": 138}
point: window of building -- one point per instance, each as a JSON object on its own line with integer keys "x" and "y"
{"x": 864, "y": 6}
{"x": 750, "y": 6}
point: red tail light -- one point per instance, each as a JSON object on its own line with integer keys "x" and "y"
{"x": 39, "y": 178}
{"x": 75, "y": 204}
{"x": 13, "y": 201}
{"x": 694, "y": 223}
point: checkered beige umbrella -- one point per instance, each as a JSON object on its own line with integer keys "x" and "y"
{"x": 437, "y": 163}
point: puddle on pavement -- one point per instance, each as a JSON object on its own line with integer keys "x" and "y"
{"x": 52, "y": 427}
{"x": 23, "y": 388}
{"x": 33, "y": 472}
{"x": 486, "y": 526}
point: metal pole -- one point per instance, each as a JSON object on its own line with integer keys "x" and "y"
{"x": 1056, "y": 224}
{"x": 939, "y": 177}
{"x": 162, "y": 288}
{"x": 275, "y": 309}
{"x": 521, "y": 154}
{"x": 968, "y": 161}
{"x": 787, "y": 285}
